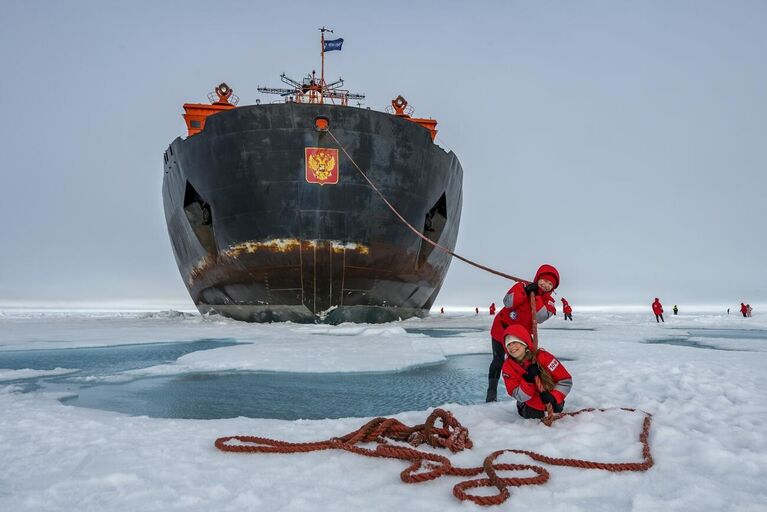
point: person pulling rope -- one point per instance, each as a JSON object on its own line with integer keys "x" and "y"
{"x": 524, "y": 305}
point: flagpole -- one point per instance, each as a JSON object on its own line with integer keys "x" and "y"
{"x": 322, "y": 52}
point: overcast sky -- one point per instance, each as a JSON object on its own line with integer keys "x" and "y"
{"x": 623, "y": 142}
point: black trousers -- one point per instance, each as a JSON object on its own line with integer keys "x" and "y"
{"x": 661, "y": 318}
{"x": 499, "y": 356}
{"x": 528, "y": 412}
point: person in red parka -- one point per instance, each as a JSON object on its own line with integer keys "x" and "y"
{"x": 566, "y": 309}
{"x": 492, "y": 308}
{"x": 743, "y": 309}
{"x": 534, "y": 378}
{"x": 657, "y": 309}
{"x": 516, "y": 311}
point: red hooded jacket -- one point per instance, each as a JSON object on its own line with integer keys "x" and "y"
{"x": 657, "y": 308}
{"x": 527, "y": 392}
{"x": 566, "y": 306}
{"x": 516, "y": 310}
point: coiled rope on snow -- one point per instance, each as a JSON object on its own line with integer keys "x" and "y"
{"x": 425, "y": 466}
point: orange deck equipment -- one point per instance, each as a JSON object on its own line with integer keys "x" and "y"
{"x": 196, "y": 113}
{"x": 401, "y": 110}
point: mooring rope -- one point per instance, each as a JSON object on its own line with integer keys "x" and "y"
{"x": 414, "y": 230}
{"x": 426, "y": 466}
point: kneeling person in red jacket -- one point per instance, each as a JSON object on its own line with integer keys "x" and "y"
{"x": 522, "y": 367}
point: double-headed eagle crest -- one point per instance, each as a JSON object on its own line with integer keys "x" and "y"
{"x": 321, "y": 165}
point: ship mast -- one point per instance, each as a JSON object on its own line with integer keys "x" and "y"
{"x": 322, "y": 53}
{"x": 311, "y": 90}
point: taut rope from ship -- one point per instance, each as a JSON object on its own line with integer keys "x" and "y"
{"x": 425, "y": 466}
{"x": 440, "y": 247}
{"x": 414, "y": 230}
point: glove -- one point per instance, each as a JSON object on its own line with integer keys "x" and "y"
{"x": 531, "y": 288}
{"x": 548, "y": 398}
{"x": 532, "y": 372}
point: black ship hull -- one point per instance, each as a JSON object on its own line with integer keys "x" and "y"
{"x": 255, "y": 241}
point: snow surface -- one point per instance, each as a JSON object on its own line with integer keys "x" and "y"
{"x": 708, "y": 437}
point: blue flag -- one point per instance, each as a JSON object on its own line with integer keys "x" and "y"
{"x": 334, "y": 44}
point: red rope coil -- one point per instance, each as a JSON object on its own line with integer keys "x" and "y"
{"x": 451, "y": 435}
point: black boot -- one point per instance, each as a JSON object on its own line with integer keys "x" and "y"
{"x": 492, "y": 390}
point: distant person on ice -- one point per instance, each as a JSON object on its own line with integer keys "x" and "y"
{"x": 492, "y": 308}
{"x": 517, "y": 311}
{"x": 568, "y": 311}
{"x": 657, "y": 309}
{"x": 476, "y": 311}
{"x": 534, "y": 378}
{"x": 743, "y": 310}
{"x": 675, "y": 310}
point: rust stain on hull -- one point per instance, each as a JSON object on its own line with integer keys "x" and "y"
{"x": 276, "y": 245}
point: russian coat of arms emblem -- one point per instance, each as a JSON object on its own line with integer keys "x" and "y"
{"x": 321, "y": 165}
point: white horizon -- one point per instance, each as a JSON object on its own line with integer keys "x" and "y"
{"x": 125, "y": 306}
